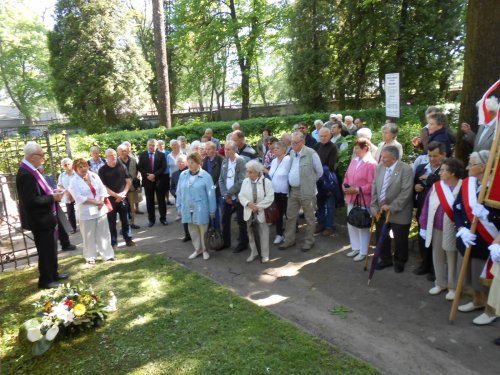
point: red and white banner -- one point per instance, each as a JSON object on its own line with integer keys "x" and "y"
{"x": 483, "y": 115}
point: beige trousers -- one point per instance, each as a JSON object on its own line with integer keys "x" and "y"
{"x": 96, "y": 238}
{"x": 445, "y": 262}
{"x": 132, "y": 200}
{"x": 197, "y": 233}
{"x": 295, "y": 201}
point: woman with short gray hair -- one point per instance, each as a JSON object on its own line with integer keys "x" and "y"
{"x": 256, "y": 194}
{"x": 389, "y": 134}
{"x": 278, "y": 173}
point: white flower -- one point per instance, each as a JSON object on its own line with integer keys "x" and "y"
{"x": 34, "y": 334}
{"x": 52, "y": 332}
{"x": 61, "y": 312}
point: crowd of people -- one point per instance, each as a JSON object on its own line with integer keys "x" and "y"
{"x": 298, "y": 174}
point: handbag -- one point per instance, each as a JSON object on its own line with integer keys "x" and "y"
{"x": 359, "y": 216}
{"x": 136, "y": 183}
{"x": 213, "y": 237}
{"x": 108, "y": 204}
{"x": 272, "y": 213}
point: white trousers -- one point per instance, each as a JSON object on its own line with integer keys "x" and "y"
{"x": 359, "y": 237}
{"x": 96, "y": 238}
{"x": 197, "y": 233}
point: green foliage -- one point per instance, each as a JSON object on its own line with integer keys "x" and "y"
{"x": 99, "y": 73}
{"x": 24, "y": 69}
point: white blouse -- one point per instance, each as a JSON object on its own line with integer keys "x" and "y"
{"x": 81, "y": 192}
{"x": 279, "y": 174}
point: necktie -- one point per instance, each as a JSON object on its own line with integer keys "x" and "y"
{"x": 387, "y": 177}
{"x": 151, "y": 163}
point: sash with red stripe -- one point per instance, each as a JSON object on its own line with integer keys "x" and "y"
{"x": 445, "y": 198}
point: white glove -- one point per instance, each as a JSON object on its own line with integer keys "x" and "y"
{"x": 495, "y": 252}
{"x": 423, "y": 233}
{"x": 467, "y": 237}
{"x": 480, "y": 211}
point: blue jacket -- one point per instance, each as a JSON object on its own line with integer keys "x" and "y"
{"x": 196, "y": 201}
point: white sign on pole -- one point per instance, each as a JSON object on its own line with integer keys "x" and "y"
{"x": 392, "y": 95}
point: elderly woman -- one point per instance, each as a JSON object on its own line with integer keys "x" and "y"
{"x": 359, "y": 178}
{"x": 270, "y": 155}
{"x": 279, "y": 178}
{"x": 256, "y": 194}
{"x": 63, "y": 183}
{"x": 89, "y": 193}
{"x": 389, "y": 134}
{"x": 195, "y": 200}
{"x": 464, "y": 209}
{"x": 438, "y": 220}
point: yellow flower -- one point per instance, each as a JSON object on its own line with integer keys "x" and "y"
{"x": 48, "y": 307}
{"x": 79, "y": 309}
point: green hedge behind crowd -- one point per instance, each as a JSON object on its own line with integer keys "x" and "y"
{"x": 411, "y": 120}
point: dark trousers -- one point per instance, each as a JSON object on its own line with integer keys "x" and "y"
{"x": 120, "y": 209}
{"x": 426, "y": 254}
{"x": 149, "y": 191}
{"x": 63, "y": 236}
{"x": 164, "y": 184}
{"x": 401, "y": 233}
{"x": 281, "y": 200}
{"x": 227, "y": 211}
{"x": 70, "y": 211}
{"x": 46, "y": 247}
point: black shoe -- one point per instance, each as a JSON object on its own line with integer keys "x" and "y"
{"x": 52, "y": 285}
{"x": 431, "y": 276}
{"x": 398, "y": 268}
{"x": 62, "y": 276}
{"x": 68, "y": 247}
{"x": 164, "y": 222}
{"x": 239, "y": 249}
{"x": 133, "y": 226}
{"x": 151, "y": 223}
{"x": 130, "y": 243}
{"x": 186, "y": 239}
{"x": 497, "y": 341}
{"x": 421, "y": 270}
{"x": 382, "y": 265}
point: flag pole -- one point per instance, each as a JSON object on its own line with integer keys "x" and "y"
{"x": 480, "y": 200}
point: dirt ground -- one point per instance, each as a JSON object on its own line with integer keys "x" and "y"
{"x": 394, "y": 323}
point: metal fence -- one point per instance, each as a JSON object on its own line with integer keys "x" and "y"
{"x": 16, "y": 245}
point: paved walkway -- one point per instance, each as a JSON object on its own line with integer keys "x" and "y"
{"x": 394, "y": 323}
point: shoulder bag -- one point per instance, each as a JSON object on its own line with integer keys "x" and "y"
{"x": 359, "y": 216}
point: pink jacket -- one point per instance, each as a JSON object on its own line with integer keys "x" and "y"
{"x": 362, "y": 177}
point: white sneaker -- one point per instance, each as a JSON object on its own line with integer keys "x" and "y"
{"x": 484, "y": 319}
{"x": 436, "y": 290}
{"x": 194, "y": 255}
{"x": 352, "y": 253}
{"x": 178, "y": 217}
{"x": 278, "y": 239}
{"x": 468, "y": 307}
{"x": 206, "y": 255}
{"x": 252, "y": 257}
{"x": 359, "y": 257}
{"x": 450, "y": 296}
{"x": 265, "y": 260}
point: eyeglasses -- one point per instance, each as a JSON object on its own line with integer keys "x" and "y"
{"x": 41, "y": 155}
{"x": 296, "y": 143}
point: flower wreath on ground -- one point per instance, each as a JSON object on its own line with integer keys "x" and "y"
{"x": 67, "y": 309}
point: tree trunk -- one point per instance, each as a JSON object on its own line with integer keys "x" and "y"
{"x": 259, "y": 84}
{"x": 161, "y": 64}
{"x": 480, "y": 61}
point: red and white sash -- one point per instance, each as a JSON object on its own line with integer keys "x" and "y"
{"x": 446, "y": 198}
{"x": 486, "y": 229}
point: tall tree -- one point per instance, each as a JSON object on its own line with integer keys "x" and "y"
{"x": 24, "y": 68}
{"x": 161, "y": 64}
{"x": 481, "y": 59}
{"x": 98, "y": 70}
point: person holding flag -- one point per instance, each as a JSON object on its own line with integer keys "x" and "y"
{"x": 465, "y": 208}
{"x": 438, "y": 226}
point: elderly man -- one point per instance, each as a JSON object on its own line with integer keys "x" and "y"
{"x": 331, "y": 120}
{"x": 309, "y": 140}
{"x": 117, "y": 180}
{"x": 37, "y": 209}
{"x": 233, "y": 172}
{"x": 95, "y": 161}
{"x": 213, "y": 164}
{"x": 242, "y": 148}
{"x": 486, "y": 132}
{"x": 152, "y": 165}
{"x": 210, "y": 135}
{"x": 327, "y": 152}
{"x": 350, "y": 126}
{"x": 287, "y": 138}
{"x": 305, "y": 170}
{"x": 393, "y": 191}
{"x": 130, "y": 163}
{"x": 318, "y": 124}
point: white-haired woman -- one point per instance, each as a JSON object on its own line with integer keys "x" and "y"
{"x": 184, "y": 145}
{"x": 175, "y": 146}
{"x": 63, "y": 183}
{"x": 350, "y": 126}
{"x": 389, "y": 134}
{"x": 256, "y": 194}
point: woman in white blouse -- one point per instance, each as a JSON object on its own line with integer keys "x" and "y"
{"x": 63, "y": 183}
{"x": 89, "y": 193}
{"x": 280, "y": 166}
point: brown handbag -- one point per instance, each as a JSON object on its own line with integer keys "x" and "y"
{"x": 272, "y": 212}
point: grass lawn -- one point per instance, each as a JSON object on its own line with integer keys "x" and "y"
{"x": 169, "y": 321}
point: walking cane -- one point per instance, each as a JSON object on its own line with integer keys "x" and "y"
{"x": 374, "y": 220}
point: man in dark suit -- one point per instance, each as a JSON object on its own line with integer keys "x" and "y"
{"x": 37, "y": 203}
{"x": 212, "y": 164}
{"x": 152, "y": 165}
{"x": 392, "y": 191}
